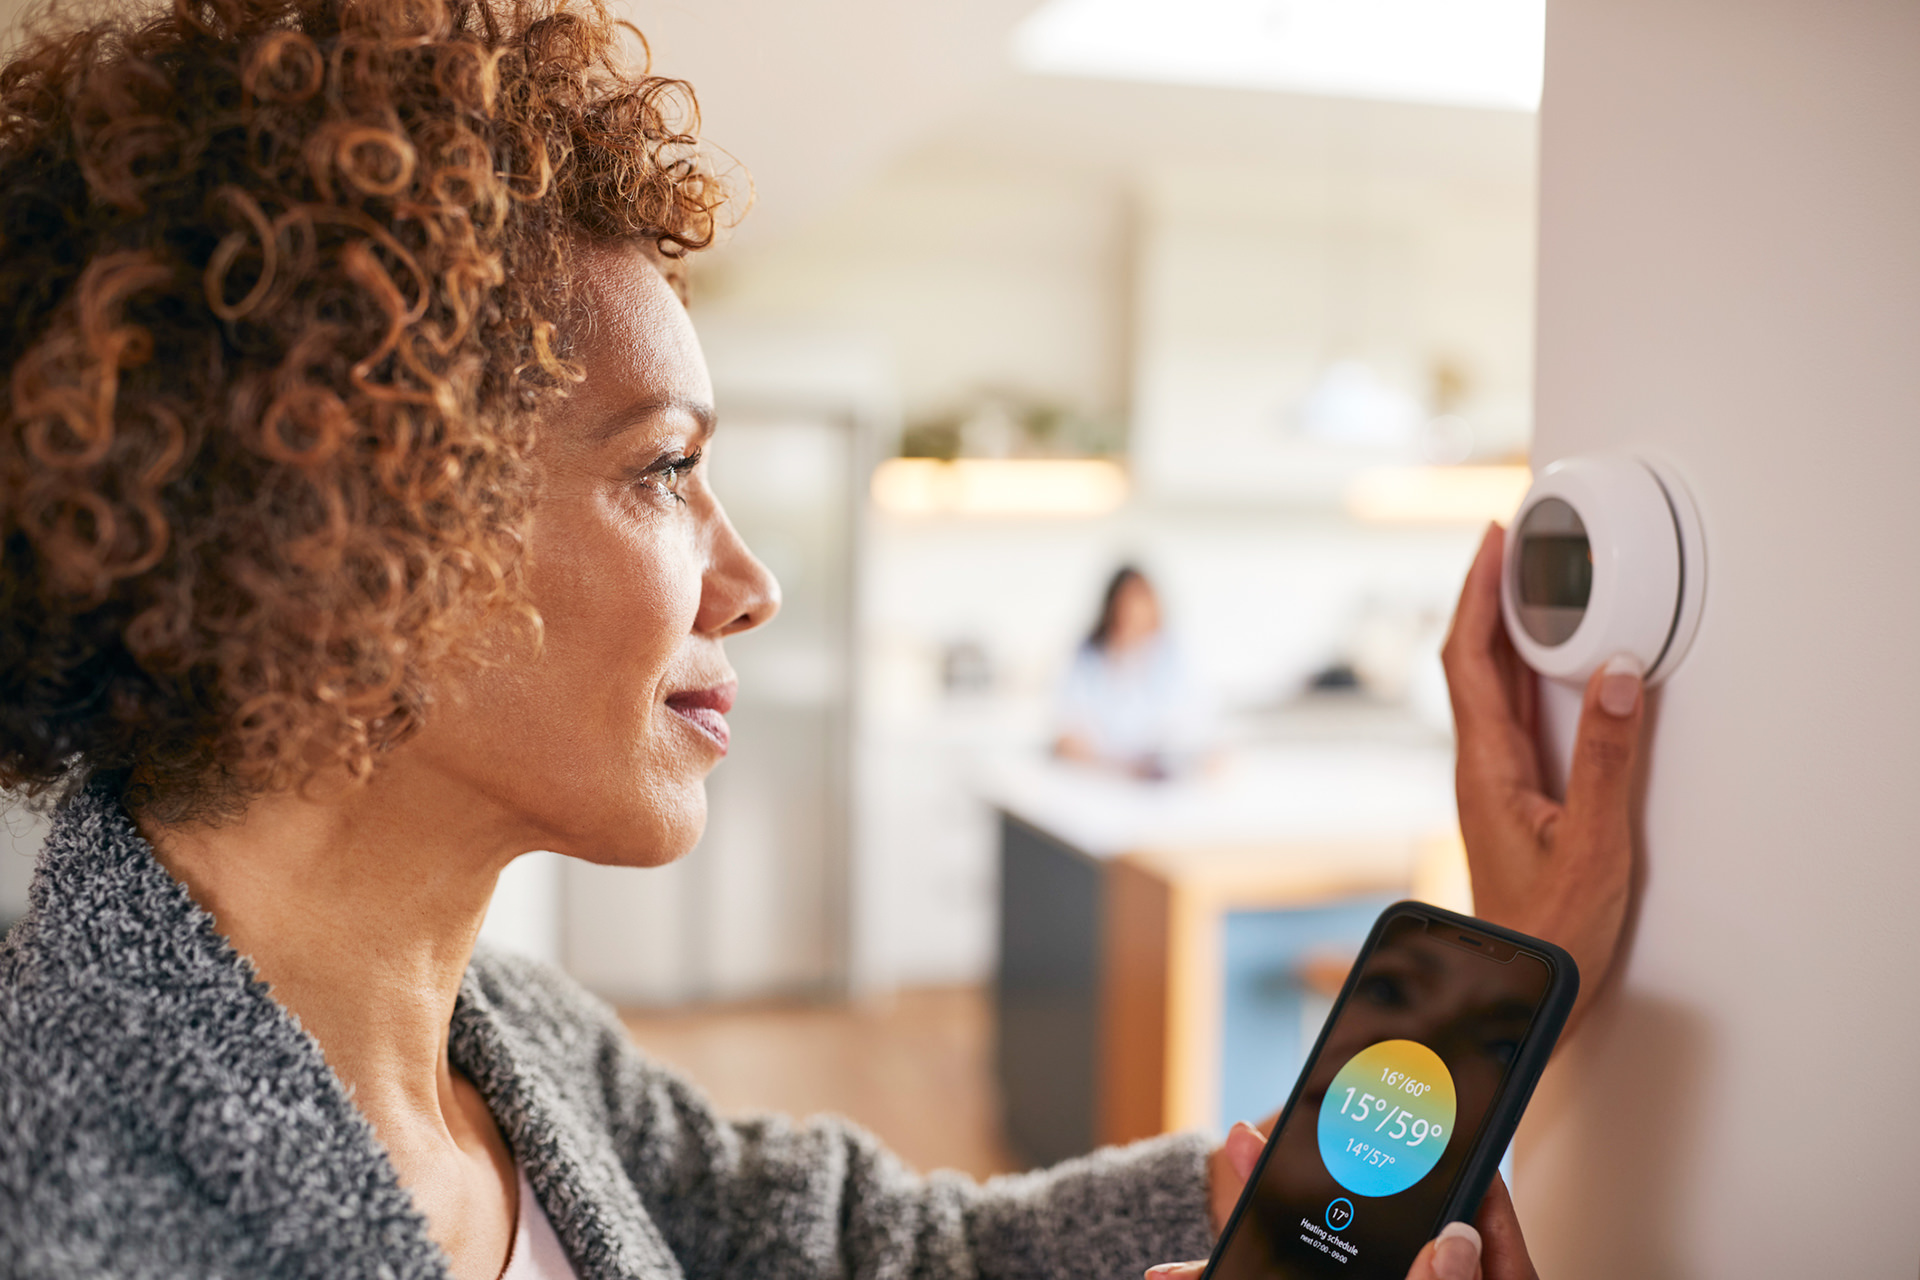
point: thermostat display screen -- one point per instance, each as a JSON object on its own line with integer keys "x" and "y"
{"x": 1554, "y": 571}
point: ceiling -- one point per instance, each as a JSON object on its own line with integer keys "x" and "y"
{"x": 816, "y": 98}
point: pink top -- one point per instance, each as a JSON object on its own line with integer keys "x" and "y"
{"x": 537, "y": 1254}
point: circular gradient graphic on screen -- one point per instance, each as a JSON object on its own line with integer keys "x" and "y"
{"x": 1387, "y": 1118}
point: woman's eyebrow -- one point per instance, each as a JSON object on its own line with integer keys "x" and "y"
{"x": 632, "y": 415}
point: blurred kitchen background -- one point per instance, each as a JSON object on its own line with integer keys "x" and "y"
{"x": 1236, "y": 291}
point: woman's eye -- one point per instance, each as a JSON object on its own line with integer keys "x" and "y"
{"x": 667, "y": 474}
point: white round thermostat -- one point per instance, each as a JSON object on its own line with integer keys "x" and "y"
{"x": 1604, "y": 557}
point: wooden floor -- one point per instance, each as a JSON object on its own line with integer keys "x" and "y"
{"x": 916, "y": 1070}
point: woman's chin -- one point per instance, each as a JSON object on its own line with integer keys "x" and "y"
{"x": 650, "y": 835}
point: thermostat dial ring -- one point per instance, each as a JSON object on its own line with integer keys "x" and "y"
{"x": 1605, "y": 557}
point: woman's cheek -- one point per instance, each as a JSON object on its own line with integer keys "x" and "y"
{"x": 678, "y": 590}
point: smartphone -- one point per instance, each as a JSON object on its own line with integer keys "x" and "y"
{"x": 1407, "y": 1102}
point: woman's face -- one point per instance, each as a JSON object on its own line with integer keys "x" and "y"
{"x": 1136, "y": 616}
{"x": 600, "y": 747}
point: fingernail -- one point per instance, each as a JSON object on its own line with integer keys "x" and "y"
{"x": 1456, "y": 1252}
{"x": 1193, "y": 1268}
{"x": 1620, "y": 685}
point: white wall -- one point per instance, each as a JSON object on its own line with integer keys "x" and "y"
{"x": 1730, "y": 274}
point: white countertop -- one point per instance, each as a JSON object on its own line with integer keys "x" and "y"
{"x": 1294, "y": 793}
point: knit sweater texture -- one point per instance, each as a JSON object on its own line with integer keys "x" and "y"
{"x": 162, "y": 1116}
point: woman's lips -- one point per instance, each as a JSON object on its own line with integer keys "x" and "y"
{"x": 706, "y": 710}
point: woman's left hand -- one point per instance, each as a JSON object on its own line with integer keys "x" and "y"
{"x": 1559, "y": 870}
{"x": 1230, "y": 1167}
{"x": 1227, "y": 1172}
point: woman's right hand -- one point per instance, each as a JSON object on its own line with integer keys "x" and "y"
{"x": 1496, "y": 1251}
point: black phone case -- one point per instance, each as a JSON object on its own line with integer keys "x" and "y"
{"x": 1483, "y": 1161}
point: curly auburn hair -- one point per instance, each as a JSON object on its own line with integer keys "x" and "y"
{"x": 279, "y": 283}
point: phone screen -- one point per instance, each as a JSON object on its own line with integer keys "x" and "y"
{"x": 1390, "y": 1108}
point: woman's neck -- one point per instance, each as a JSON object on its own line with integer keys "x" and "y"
{"x": 359, "y": 909}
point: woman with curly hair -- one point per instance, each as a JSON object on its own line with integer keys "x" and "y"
{"x": 356, "y": 541}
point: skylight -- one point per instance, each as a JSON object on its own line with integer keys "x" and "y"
{"x": 1475, "y": 53}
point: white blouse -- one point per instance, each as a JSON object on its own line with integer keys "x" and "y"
{"x": 537, "y": 1254}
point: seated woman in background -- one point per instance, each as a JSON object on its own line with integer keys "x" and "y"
{"x": 357, "y": 541}
{"x": 1129, "y": 701}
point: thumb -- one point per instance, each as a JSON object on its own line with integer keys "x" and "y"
{"x": 1600, "y": 779}
{"x": 1243, "y": 1147}
{"x": 1452, "y": 1255}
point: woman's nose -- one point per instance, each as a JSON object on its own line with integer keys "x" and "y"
{"x": 739, "y": 593}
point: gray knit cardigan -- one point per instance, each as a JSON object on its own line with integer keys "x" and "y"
{"x": 161, "y": 1115}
